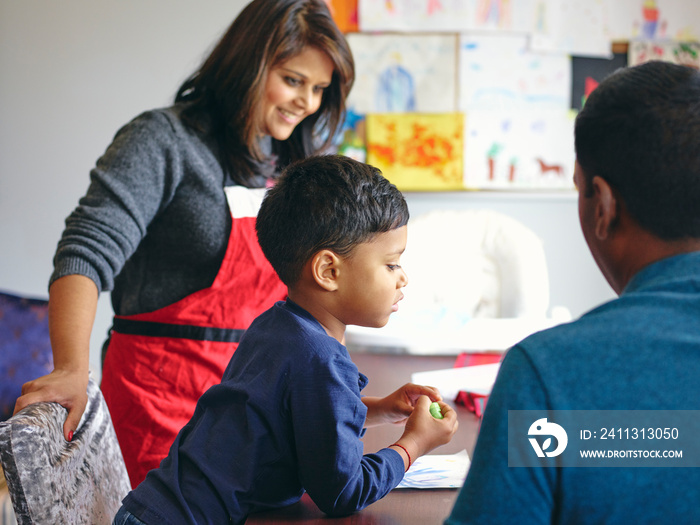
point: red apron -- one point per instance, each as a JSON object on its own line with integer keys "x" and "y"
{"x": 159, "y": 363}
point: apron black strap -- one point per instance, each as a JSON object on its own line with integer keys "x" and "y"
{"x": 180, "y": 331}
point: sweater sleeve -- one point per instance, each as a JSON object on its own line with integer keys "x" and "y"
{"x": 329, "y": 416}
{"x": 131, "y": 183}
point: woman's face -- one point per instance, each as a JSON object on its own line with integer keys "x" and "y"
{"x": 293, "y": 91}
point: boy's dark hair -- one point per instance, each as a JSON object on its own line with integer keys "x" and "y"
{"x": 325, "y": 202}
{"x": 640, "y": 131}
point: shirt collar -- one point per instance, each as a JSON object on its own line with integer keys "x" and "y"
{"x": 669, "y": 269}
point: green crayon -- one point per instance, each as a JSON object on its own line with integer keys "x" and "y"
{"x": 435, "y": 410}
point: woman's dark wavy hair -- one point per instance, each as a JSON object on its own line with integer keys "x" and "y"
{"x": 228, "y": 87}
{"x": 640, "y": 131}
{"x": 325, "y": 202}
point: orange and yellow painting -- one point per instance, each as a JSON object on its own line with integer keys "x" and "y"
{"x": 416, "y": 151}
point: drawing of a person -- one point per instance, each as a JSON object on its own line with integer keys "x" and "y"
{"x": 650, "y": 12}
{"x": 395, "y": 88}
{"x": 494, "y": 12}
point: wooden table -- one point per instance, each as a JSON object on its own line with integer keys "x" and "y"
{"x": 386, "y": 373}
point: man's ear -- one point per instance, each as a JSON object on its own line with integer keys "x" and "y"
{"x": 325, "y": 266}
{"x": 606, "y": 209}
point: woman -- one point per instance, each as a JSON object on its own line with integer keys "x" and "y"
{"x": 167, "y": 224}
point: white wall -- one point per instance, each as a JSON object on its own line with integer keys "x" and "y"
{"x": 72, "y": 72}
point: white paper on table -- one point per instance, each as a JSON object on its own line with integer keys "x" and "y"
{"x": 437, "y": 472}
{"x": 477, "y": 379}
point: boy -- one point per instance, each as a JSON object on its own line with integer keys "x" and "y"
{"x": 288, "y": 414}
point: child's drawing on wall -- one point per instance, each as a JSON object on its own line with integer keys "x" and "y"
{"x": 518, "y": 150}
{"x": 512, "y": 165}
{"x": 546, "y": 168}
{"x": 491, "y": 155}
{"x": 415, "y": 15}
{"x": 677, "y": 20}
{"x": 495, "y": 13}
{"x": 344, "y": 14}
{"x": 575, "y": 27}
{"x": 434, "y": 6}
{"x": 395, "y": 89}
{"x": 540, "y": 25}
{"x": 650, "y": 17}
{"x": 448, "y": 15}
{"x": 417, "y": 152}
{"x": 352, "y": 141}
{"x": 644, "y": 51}
{"x": 515, "y": 79}
{"x": 404, "y": 73}
{"x": 685, "y": 53}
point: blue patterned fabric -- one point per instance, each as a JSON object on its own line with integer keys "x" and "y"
{"x": 25, "y": 349}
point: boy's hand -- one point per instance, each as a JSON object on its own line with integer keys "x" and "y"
{"x": 398, "y": 406}
{"x": 423, "y": 432}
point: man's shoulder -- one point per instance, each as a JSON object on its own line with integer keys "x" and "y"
{"x": 624, "y": 337}
{"x": 595, "y": 321}
{"x": 582, "y": 342}
{"x": 631, "y": 316}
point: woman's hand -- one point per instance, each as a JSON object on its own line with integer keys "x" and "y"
{"x": 397, "y": 406}
{"x": 66, "y": 388}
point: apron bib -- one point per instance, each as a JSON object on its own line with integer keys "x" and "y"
{"x": 159, "y": 363}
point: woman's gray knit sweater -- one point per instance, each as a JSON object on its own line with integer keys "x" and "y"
{"x": 154, "y": 224}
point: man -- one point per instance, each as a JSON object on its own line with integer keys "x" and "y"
{"x": 638, "y": 176}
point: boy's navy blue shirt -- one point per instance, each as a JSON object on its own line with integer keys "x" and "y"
{"x": 286, "y": 417}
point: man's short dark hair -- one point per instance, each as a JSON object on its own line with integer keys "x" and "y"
{"x": 640, "y": 131}
{"x": 325, "y": 202}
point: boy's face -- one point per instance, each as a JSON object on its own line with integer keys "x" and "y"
{"x": 372, "y": 278}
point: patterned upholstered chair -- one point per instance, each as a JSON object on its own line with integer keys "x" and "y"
{"x": 53, "y": 481}
{"x": 25, "y": 349}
